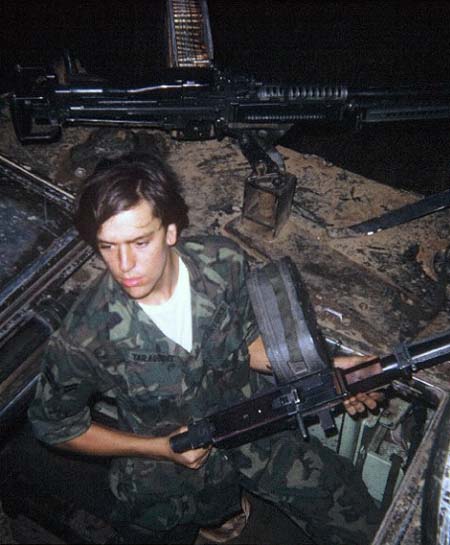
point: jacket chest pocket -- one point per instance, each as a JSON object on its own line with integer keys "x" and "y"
{"x": 153, "y": 375}
{"x": 155, "y": 386}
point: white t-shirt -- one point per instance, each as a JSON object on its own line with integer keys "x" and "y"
{"x": 174, "y": 317}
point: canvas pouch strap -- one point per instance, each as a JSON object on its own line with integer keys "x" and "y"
{"x": 286, "y": 320}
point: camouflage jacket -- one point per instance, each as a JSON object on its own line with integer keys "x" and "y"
{"x": 107, "y": 344}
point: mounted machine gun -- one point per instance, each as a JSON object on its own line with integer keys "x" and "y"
{"x": 194, "y": 100}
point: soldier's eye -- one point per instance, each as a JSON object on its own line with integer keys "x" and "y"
{"x": 104, "y": 246}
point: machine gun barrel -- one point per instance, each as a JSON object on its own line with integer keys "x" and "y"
{"x": 404, "y": 360}
{"x": 313, "y": 395}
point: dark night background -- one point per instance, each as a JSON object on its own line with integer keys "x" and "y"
{"x": 376, "y": 43}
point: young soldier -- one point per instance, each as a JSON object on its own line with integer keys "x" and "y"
{"x": 168, "y": 331}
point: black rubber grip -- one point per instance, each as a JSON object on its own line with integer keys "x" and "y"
{"x": 199, "y": 435}
{"x": 181, "y": 442}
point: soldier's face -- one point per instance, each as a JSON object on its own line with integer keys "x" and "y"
{"x": 138, "y": 251}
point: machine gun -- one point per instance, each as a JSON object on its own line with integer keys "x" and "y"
{"x": 194, "y": 100}
{"x": 307, "y": 384}
{"x": 206, "y": 103}
{"x": 198, "y": 104}
{"x": 308, "y": 397}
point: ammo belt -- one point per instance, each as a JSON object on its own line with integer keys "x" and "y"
{"x": 286, "y": 321}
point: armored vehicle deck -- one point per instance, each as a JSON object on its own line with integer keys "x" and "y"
{"x": 369, "y": 292}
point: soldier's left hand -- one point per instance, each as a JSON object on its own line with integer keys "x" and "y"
{"x": 362, "y": 401}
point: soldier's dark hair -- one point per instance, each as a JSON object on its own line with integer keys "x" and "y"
{"x": 118, "y": 185}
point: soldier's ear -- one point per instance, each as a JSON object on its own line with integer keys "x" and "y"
{"x": 171, "y": 234}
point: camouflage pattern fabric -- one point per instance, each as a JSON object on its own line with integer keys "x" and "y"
{"x": 319, "y": 490}
{"x": 109, "y": 345}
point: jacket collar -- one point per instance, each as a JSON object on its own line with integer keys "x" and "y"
{"x": 123, "y": 309}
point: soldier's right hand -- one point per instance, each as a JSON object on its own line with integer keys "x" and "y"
{"x": 193, "y": 459}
